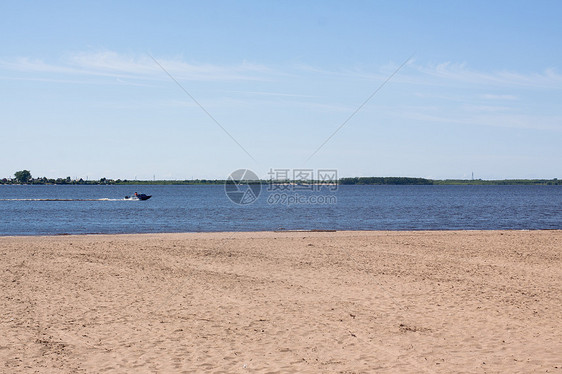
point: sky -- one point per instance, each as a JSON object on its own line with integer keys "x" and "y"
{"x": 198, "y": 89}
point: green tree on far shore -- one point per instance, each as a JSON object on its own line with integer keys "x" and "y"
{"x": 23, "y": 176}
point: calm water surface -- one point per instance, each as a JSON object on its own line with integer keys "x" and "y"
{"x": 207, "y": 208}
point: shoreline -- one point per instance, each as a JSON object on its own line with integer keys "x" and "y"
{"x": 283, "y": 302}
{"x": 61, "y": 235}
{"x": 346, "y": 181}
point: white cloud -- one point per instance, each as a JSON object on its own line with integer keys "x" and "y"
{"x": 449, "y": 72}
{"x": 113, "y": 64}
{"x": 280, "y": 94}
{"x": 477, "y": 106}
{"x": 141, "y": 66}
{"x": 499, "y": 97}
{"x": 487, "y": 108}
{"x": 488, "y": 116}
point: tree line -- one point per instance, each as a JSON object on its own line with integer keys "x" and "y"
{"x": 25, "y": 177}
{"x": 385, "y": 180}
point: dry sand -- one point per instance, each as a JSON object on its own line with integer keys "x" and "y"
{"x": 299, "y": 302}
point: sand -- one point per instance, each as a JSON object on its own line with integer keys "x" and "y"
{"x": 294, "y": 302}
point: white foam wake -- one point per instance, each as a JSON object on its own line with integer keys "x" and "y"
{"x": 102, "y": 199}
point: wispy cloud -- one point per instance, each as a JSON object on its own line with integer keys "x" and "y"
{"x": 354, "y": 72}
{"x": 464, "y": 95}
{"x": 278, "y": 94}
{"x": 487, "y": 108}
{"x": 499, "y": 97}
{"x": 449, "y": 72}
{"x": 113, "y": 64}
{"x": 503, "y": 117}
{"x": 141, "y": 66}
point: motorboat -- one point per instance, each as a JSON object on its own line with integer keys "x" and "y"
{"x": 138, "y": 196}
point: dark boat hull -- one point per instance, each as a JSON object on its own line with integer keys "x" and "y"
{"x": 138, "y": 197}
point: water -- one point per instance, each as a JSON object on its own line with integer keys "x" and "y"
{"x": 102, "y": 209}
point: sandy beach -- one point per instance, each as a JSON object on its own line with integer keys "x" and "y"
{"x": 283, "y": 302}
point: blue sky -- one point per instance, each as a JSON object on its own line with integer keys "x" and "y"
{"x": 480, "y": 90}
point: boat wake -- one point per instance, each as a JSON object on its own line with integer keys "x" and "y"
{"x": 102, "y": 199}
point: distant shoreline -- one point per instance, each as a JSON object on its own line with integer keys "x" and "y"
{"x": 362, "y": 181}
